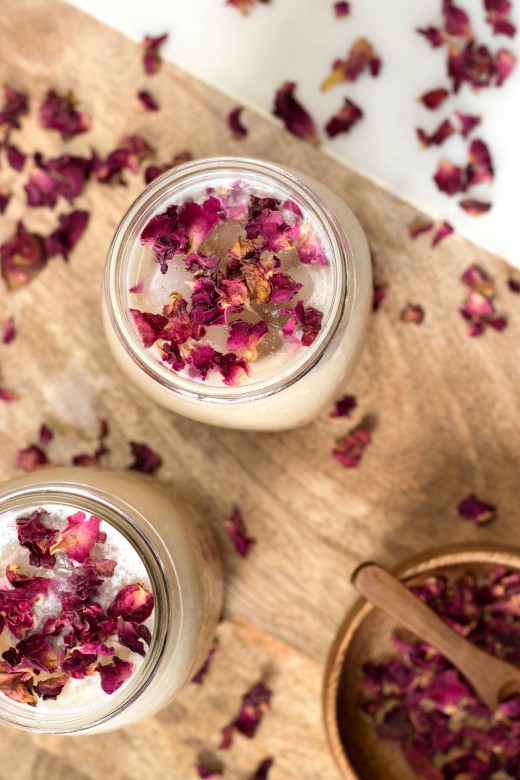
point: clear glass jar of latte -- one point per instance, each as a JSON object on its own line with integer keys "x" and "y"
{"x": 237, "y": 293}
{"x": 110, "y": 593}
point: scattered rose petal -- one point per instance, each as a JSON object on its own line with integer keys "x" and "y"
{"x": 238, "y": 130}
{"x": 434, "y": 98}
{"x": 456, "y": 20}
{"x": 5, "y": 197}
{"x": 130, "y": 153}
{"x": 344, "y": 406}
{"x": 444, "y": 230}
{"x": 350, "y": 450}
{"x": 255, "y": 704}
{"x": 133, "y": 636}
{"x": 60, "y": 112}
{"x": 479, "y": 310}
{"x": 204, "y": 772}
{"x": 412, "y": 313}
{"x": 64, "y": 176}
{"x": 17, "y": 687}
{"x": 380, "y": 291}
{"x": 450, "y": 178}
{"x": 69, "y": 231}
{"x": 474, "y": 207}
{"x": 244, "y": 337}
{"x": 202, "y": 672}
{"x": 133, "y": 603}
{"x": 52, "y": 686}
{"x": 468, "y": 122}
{"x": 295, "y": 117}
{"x": 145, "y": 459}
{"x": 477, "y": 511}
{"x": 361, "y": 57}
{"x": 480, "y": 167}
{"x": 514, "y": 285}
{"x": 153, "y": 171}
{"x": 31, "y": 458}
{"x": 7, "y": 395}
{"x": 505, "y": 65}
{"x": 433, "y": 35}
{"x": 341, "y": 9}
{"x": 262, "y": 770}
{"x": 344, "y": 119}
{"x": 113, "y": 675}
{"x": 438, "y": 137}
{"x": 37, "y": 538}
{"x": 15, "y": 106}
{"x": 15, "y": 157}
{"x": 497, "y": 12}
{"x": 78, "y": 538}
{"x": 9, "y": 330}
{"x": 418, "y": 227}
{"x": 151, "y": 54}
{"x": 22, "y": 257}
{"x": 147, "y": 100}
{"x": 236, "y": 531}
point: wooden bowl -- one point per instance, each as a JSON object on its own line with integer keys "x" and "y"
{"x": 366, "y": 635}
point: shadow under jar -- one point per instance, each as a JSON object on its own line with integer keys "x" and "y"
{"x": 246, "y": 307}
{"x": 84, "y": 619}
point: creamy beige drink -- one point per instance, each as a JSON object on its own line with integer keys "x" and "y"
{"x": 237, "y": 294}
{"x": 109, "y": 599}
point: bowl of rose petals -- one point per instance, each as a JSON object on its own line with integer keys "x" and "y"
{"x": 395, "y": 708}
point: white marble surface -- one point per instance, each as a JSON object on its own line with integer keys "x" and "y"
{"x": 297, "y": 40}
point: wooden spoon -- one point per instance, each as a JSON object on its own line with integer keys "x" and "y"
{"x": 493, "y": 680}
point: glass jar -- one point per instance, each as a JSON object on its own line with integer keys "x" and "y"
{"x": 294, "y": 394}
{"x": 182, "y": 564}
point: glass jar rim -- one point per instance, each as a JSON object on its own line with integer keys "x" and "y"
{"x": 121, "y": 516}
{"x": 339, "y": 311}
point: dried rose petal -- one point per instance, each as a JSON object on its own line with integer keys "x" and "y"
{"x": 477, "y": 511}
{"x": 7, "y": 395}
{"x": 15, "y": 106}
{"x": 59, "y": 112}
{"x": 344, "y": 406}
{"x": 80, "y": 665}
{"x": 236, "y": 531}
{"x": 31, "y": 458}
{"x": 17, "y": 687}
{"x": 474, "y": 207}
{"x": 244, "y": 6}
{"x": 147, "y": 100}
{"x": 433, "y": 35}
{"x": 64, "y": 176}
{"x": 434, "y": 98}
{"x": 456, "y": 21}
{"x": 145, "y": 459}
{"x": 444, "y": 230}
{"x": 151, "y": 55}
{"x": 438, "y": 137}
{"x": 227, "y": 738}
{"x": 497, "y": 12}
{"x": 9, "y": 330}
{"x": 350, "y": 450}
{"x": 233, "y": 369}
{"x": 361, "y": 57}
{"x": 113, "y": 675}
{"x": 412, "y": 313}
{"x": 34, "y": 653}
{"x": 15, "y": 157}
{"x": 149, "y": 326}
{"x": 254, "y": 705}
{"x": 341, "y": 9}
{"x": 199, "y": 220}
{"x": 238, "y": 130}
{"x": 202, "y": 672}
{"x": 295, "y": 117}
{"x": 133, "y": 635}
{"x": 262, "y": 770}
{"x": 69, "y": 231}
{"x": 514, "y": 285}
{"x": 305, "y": 324}
{"x": 505, "y": 65}
{"x": 204, "y": 772}
{"x": 418, "y": 227}
{"x": 5, "y": 197}
{"x": 130, "y": 153}
{"x": 153, "y": 171}
{"x": 468, "y": 122}
{"x": 79, "y": 537}
{"x": 344, "y": 119}
{"x": 380, "y": 291}
{"x": 480, "y": 166}
{"x": 449, "y": 178}
{"x": 22, "y": 257}
{"x": 37, "y": 538}
{"x": 244, "y": 337}
{"x": 45, "y": 435}
{"x": 133, "y": 603}
{"x": 52, "y": 686}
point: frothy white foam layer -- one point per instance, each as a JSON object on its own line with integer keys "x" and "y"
{"x": 86, "y": 695}
{"x": 276, "y": 352}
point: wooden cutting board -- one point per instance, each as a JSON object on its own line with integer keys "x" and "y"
{"x": 445, "y": 408}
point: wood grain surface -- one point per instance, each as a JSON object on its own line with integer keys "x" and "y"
{"x": 445, "y": 409}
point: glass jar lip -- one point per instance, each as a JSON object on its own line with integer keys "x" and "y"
{"x": 118, "y": 513}
{"x": 339, "y": 311}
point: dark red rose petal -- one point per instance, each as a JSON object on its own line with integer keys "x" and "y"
{"x": 474, "y": 207}
{"x": 37, "y": 538}
{"x": 133, "y": 603}
{"x": 434, "y": 98}
{"x": 236, "y": 531}
{"x": 204, "y": 669}
{"x": 344, "y": 406}
{"x": 204, "y": 772}
{"x": 450, "y": 178}
{"x": 130, "y": 153}
{"x": 64, "y": 176}
{"x": 31, "y": 458}
{"x": 412, "y": 313}
{"x": 133, "y": 636}
{"x": 22, "y": 257}
{"x": 304, "y": 323}
{"x": 15, "y": 106}
{"x": 497, "y": 12}
{"x": 456, "y": 21}
{"x": 238, "y": 130}
{"x": 380, "y": 291}
{"x": 341, "y": 9}
{"x": 69, "y": 231}
{"x": 15, "y": 157}
{"x": 153, "y": 171}
{"x": 147, "y": 100}
{"x": 255, "y": 703}
{"x": 444, "y": 230}
{"x": 9, "y": 330}
{"x": 227, "y": 738}
{"x": 480, "y": 166}
{"x": 433, "y": 35}
{"x": 350, "y": 450}
{"x": 344, "y": 119}
{"x": 145, "y": 459}
{"x": 477, "y": 511}
{"x": 52, "y": 686}
{"x": 514, "y": 285}
{"x": 233, "y": 369}
{"x": 262, "y": 770}
{"x": 438, "y": 137}
{"x": 46, "y": 434}
{"x": 468, "y": 122}
{"x": 80, "y": 665}
{"x": 60, "y": 112}
{"x": 34, "y": 653}
{"x": 418, "y": 227}
{"x": 113, "y": 675}
{"x": 295, "y": 117}
{"x": 151, "y": 55}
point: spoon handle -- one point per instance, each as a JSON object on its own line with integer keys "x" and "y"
{"x": 485, "y": 673}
